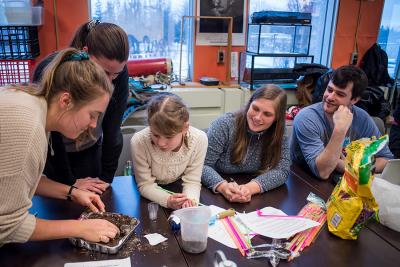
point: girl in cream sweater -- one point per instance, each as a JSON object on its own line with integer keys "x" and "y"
{"x": 168, "y": 150}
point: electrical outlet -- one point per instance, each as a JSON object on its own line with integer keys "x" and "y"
{"x": 221, "y": 56}
{"x": 354, "y": 58}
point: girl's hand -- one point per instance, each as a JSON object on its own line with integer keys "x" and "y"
{"x": 98, "y": 230}
{"x": 176, "y": 201}
{"x": 88, "y": 199}
{"x": 189, "y": 203}
{"x": 92, "y": 184}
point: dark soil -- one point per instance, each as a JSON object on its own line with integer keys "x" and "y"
{"x": 133, "y": 247}
{"x": 123, "y": 222}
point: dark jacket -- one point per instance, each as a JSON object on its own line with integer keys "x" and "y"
{"x": 103, "y": 156}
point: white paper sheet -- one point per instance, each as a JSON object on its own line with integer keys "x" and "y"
{"x": 275, "y": 227}
{"x": 218, "y": 232}
{"x": 107, "y": 263}
{"x": 155, "y": 239}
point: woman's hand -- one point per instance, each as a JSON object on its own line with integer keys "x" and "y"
{"x": 88, "y": 199}
{"x": 92, "y": 184}
{"x": 98, "y": 230}
{"x": 245, "y": 193}
{"x": 176, "y": 201}
{"x": 247, "y": 190}
{"x": 231, "y": 191}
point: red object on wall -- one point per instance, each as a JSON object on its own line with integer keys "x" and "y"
{"x": 139, "y": 67}
{"x": 15, "y": 71}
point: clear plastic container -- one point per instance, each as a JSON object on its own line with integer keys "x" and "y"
{"x": 278, "y": 38}
{"x": 194, "y": 228}
{"x": 23, "y": 16}
{"x": 3, "y": 18}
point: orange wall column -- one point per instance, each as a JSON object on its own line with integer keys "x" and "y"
{"x": 205, "y": 62}
{"x": 368, "y": 30}
{"x": 70, "y": 15}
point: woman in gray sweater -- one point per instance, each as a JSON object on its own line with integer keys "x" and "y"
{"x": 251, "y": 140}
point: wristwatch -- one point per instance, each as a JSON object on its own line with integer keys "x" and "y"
{"x": 69, "y": 195}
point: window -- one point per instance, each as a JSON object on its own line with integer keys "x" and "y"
{"x": 153, "y": 27}
{"x": 323, "y": 20}
{"x": 389, "y": 34}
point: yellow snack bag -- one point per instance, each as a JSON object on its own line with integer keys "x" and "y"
{"x": 352, "y": 203}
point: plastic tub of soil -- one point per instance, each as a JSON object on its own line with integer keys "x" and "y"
{"x": 126, "y": 225}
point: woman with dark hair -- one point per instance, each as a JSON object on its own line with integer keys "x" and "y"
{"x": 92, "y": 164}
{"x": 73, "y": 93}
{"x": 251, "y": 141}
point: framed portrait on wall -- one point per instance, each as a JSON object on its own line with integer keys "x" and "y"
{"x": 215, "y": 32}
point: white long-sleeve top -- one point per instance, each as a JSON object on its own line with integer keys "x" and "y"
{"x": 153, "y": 166}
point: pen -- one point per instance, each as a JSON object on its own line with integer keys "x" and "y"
{"x": 233, "y": 181}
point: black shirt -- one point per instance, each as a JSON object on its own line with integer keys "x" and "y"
{"x": 100, "y": 160}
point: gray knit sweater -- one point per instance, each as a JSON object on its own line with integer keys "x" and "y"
{"x": 220, "y": 144}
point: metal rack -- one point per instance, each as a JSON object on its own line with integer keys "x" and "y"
{"x": 273, "y": 49}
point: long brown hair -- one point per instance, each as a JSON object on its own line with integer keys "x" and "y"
{"x": 167, "y": 114}
{"x": 272, "y": 137}
{"x": 102, "y": 40}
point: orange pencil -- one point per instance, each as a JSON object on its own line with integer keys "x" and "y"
{"x": 244, "y": 240}
{"x": 314, "y": 233}
{"x": 231, "y": 234}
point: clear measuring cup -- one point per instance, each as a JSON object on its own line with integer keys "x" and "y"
{"x": 194, "y": 228}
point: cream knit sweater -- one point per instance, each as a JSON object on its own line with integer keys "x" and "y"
{"x": 153, "y": 166}
{"x": 23, "y": 148}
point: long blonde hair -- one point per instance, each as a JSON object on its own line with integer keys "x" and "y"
{"x": 273, "y": 136}
{"x": 167, "y": 114}
{"x": 70, "y": 71}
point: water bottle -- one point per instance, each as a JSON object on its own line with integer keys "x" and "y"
{"x": 221, "y": 261}
{"x": 128, "y": 168}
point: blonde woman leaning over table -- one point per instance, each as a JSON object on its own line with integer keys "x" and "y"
{"x": 249, "y": 141}
{"x": 73, "y": 93}
{"x": 167, "y": 150}
{"x": 91, "y": 165}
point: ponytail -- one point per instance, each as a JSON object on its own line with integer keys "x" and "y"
{"x": 70, "y": 71}
{"x": 79, "y": 40}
